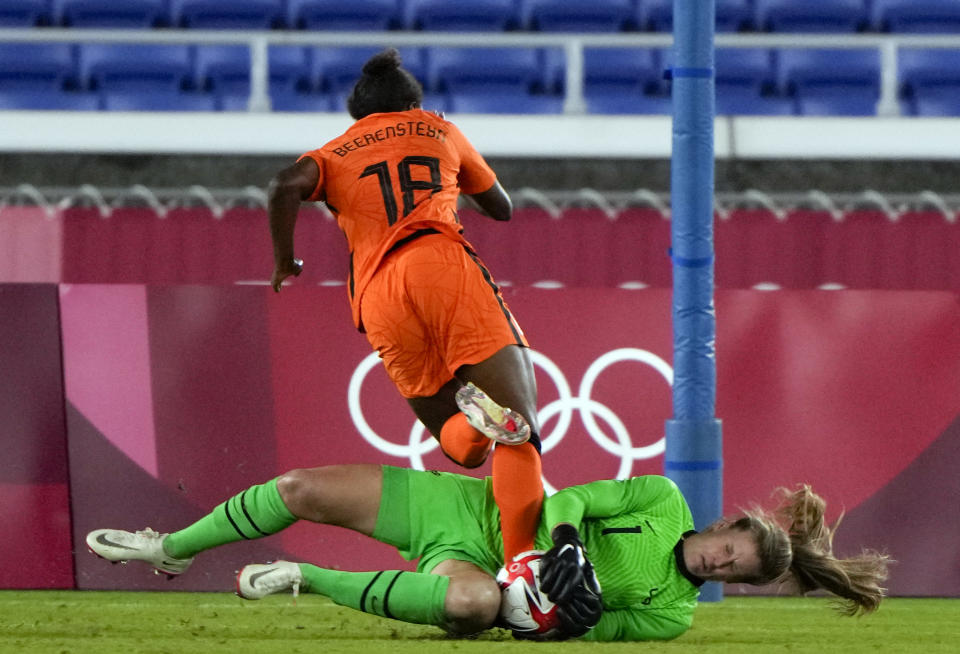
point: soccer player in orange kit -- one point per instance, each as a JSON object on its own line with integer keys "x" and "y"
{"x": 417, "y": 289}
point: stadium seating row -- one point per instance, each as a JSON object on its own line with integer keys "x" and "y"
{"x": 839, "y": 104}
{"x": 934, "y": 16}
{"x": 498, "y": 80}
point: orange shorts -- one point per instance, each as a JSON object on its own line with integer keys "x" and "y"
{"x": 432, "y": 307}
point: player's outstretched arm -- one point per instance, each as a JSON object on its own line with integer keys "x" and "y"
{"x": 287, "y": 190}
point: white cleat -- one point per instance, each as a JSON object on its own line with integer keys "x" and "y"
{"x": 147, "y": 545}
{"x": 257, "y": 580}
{"x": 489, "y": 418}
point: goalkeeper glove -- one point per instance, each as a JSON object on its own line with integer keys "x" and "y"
{"x": 578, "y": 615}
{"x": 562, "y": 567}
{"x": 582, "y": 611}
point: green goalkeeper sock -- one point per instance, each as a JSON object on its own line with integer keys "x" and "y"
{"x": 408, "y": 596}
{"x": 256, "y": 512}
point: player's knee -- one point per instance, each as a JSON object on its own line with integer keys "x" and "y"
{"x": 472, "y": 604}
{"x": 297, "y": 489}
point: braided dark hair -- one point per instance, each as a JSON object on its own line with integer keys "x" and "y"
{"x": 384, "y": 86}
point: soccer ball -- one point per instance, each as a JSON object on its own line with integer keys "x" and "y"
{"x": 523, "y": 607}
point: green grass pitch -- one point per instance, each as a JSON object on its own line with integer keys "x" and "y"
{"x": 77, "y": 622}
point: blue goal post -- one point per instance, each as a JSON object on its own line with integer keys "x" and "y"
{"x": 694, "y": 451}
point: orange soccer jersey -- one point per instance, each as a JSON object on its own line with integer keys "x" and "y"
{"x": 391, "y": 175}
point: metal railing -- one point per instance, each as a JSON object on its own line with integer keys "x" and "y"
{"x": 572, "y": 45}
{"x": 219, "y": 200}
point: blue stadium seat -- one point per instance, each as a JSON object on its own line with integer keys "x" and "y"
{"x": 360, "y": 15}
{"x": 830, "y": 82}
{"x": 801, "y": 70}
{"x": 811, "y": 15}
{"x": 838, "y": 100}
{"x": 465, "y": 69}
{"x": 334, "y": 69}
{"x": 48, "y": 100}
{"x": 129, "y": 14}
{"x": 462, "y": 16}
{"x": 919, "y": 69}
{"x": 554, "y": 69}
{"x": 943, "y": 100}
{"x": 610, "y": 70}
{"x": 221, "y": 67}
{"x": 222, "y": 14}
{"x": 916, "y": 16}
{"x": 36, "y": 66}
{"x": 508, "y": 102}
{"x": 225, "y": 69}
{"x": 289, "y": 67}
{"x": 166, "y": 100}
{"x": 233, "y": 102}
{"x": 281, "y": 99}
{"x": 587, "y": 16}
{"x": 741, "y": 100}
{"x": 436, "y": 102}
{"x": 745, "y": 67}
{"x": 116, "y": 67}
{"x": 619, "y": 103}
{"x": 25, "y": 13}
{"x": 337, "y": 69}
{"x": 301, "y": 102}
{"x": 730, "y": 15}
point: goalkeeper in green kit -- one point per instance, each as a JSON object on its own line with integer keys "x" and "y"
{"x": 622, "y": 560}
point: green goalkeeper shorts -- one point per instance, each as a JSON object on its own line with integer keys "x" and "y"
{"x": 435, "y": 516}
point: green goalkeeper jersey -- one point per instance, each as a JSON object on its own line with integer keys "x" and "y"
{"x": 631, "y": 530}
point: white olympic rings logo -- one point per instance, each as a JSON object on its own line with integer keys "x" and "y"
{"x": 420, "y": 442}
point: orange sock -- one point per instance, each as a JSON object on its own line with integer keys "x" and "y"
{"x": 463, "y": 443}
{"x": 518, "y": 491}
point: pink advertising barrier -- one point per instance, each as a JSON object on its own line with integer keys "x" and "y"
{"x": 207, "y": 390}
{"x": 34, "y": 492}
{"x": 580, "y": 248}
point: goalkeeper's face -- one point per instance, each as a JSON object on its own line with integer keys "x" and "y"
{"x": 723, "y": 554}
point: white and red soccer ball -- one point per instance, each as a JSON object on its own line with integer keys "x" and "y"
{"x": 523, "y": 606}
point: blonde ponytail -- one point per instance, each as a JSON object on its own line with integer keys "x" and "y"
{"x": 857, "y": 580}
{"x": 795, "y": 546}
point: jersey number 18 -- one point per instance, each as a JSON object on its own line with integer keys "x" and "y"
{"x": 407, "y": 184}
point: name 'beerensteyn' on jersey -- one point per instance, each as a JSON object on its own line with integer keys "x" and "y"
{"x": 405, "y": 128}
